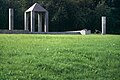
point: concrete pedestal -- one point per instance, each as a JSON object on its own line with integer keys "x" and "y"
{"x": 11, "y": 19}
{"x": 26, "y": 19}
{"x": 46, "y": 22}
{"x": 103, "y": 25}
{"x": 39, "y": 22}
{"x": 32, "y": 21}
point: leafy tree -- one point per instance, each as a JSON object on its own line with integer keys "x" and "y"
{"x": 3, "y": 14}
{"x": 114, "y": 17}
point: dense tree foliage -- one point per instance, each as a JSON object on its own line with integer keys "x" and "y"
{"x": 67, "y": 14}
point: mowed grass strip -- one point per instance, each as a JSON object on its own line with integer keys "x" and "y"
{"x": 59, "y": 57}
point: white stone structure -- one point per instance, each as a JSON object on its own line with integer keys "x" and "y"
{"x": 42, "y": 15}
{"x": 11, "y": 19}
{"x": 85, "y": 32}
{"x": 103, "y": 25}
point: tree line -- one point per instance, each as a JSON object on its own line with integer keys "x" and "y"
{"x": 66, "y": 15}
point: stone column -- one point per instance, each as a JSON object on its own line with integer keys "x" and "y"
{"x": 46, "y": 22}
{"x": 32, "y": 21}
{"x": 26, "y": 19}
{"x": 103, "y": 25}
{"x": 11, "y": 19}
{"x": 39, "y": 22}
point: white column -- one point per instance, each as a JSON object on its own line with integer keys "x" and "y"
{"x": 11, "y": 19}
{"x": 46, "y": 22}
{"x": 103, "y": 25}
{"x": 26, "y": 19}
{"x": 32, "y": 21}
{"x": 39, "y": 22}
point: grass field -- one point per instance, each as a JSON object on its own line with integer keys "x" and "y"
{"x": 59, "y": 57}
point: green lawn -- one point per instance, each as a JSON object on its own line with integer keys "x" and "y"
{"x": 59, "y": 57}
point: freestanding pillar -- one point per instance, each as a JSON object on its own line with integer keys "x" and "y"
{"x": 103, "y": 25}
{"x": 46, "y": 22}
{"x": 26, "y": 19}
{"x": 39, "y": 22}
{"x": 32, "y": 21}
{"x": 11, "y": 19}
